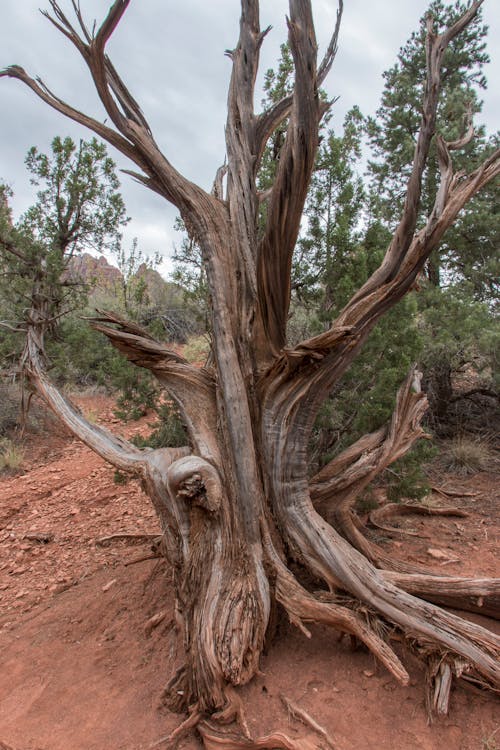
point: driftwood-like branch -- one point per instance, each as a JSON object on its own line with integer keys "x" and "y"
{"x": 294, "y": 169}
{"x": 379, "y": 516}
{"x": 409, "y": 250}
{"x": 341, "y": 480}
{"x": 269, "y": 120}
{"x": 112, "y": 448}
{"x": 132, "y": 136}
{"x": 103, "y": 131}
{"x": 240, "y": 145}
{"x": 480, "y": 595}
{"x": 192, "y": 388}
{"x": 403, "y": 236}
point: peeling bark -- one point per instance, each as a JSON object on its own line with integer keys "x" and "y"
{"x": 237, "y": 505}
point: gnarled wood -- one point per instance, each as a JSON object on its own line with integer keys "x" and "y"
{"x": 238, "y": 504}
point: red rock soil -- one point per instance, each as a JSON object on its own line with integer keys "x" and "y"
{"x": 80, "y": 670}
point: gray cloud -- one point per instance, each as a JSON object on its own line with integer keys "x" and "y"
{"x": 172, "y": 57}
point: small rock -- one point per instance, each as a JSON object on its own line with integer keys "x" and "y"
{"x": 108, "y": 585}
{"x": 368, "y": 672}
{"x": 19, "y": 569}
{"x": 438, "y": 554}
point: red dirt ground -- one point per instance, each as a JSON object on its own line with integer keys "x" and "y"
{"x": 78, "y": 670}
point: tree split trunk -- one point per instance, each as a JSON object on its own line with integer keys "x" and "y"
{"x": 237, "y": 505}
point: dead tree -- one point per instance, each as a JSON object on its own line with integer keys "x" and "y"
{"x": 238, "y": 505}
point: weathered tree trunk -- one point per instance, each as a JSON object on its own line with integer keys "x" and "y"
{"x": 236, "y": 506}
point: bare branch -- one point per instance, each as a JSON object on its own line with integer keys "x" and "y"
{"x": 330, "y": 53}
{"x": 269, "y": 120}
{"x": 110, "y": 23}
{"x": 402, "y": 239}
{"x": 349, "y": 473}
{"x": 240, "y": 136}
{"x": 44, "y": 93}
{"x": 405, "y": 260}
{"x": 192, "y": 388}
{"x": 134, "y": 137}
{"x": 294, "y": 169}
{"x": 116, "y": 450}
{"x": 218, "y": 186}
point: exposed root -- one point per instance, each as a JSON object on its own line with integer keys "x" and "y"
{"x": 174, "y": 694}
{"x": 453, "y": 493}
{"x": 480, "y": 595}
{"x": 393, "y": 510}
{"x": 234, "y": 711}
{"x": 154, "y": 621}
{"x": 104, "y": 540}
{"x": 442, "y": 689}
{"x": 142, "y": 558}
{"x": 181, "y": 731}
{"x": 304, "y": 606}
{"x": 215, "y": 738}
{"x": 298, "y": 713}
{"x": 347, "y": 524}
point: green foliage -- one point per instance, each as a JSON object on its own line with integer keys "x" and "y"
{"x": 329, "y": 263}
{"x": 134, "y": 266}
{"x": 189, "y": 274}
{"x": 277, "y": 85}
{"x": 137, "y": 391}
{"x": 167, "y": 430}
{"x": 197, "y": 349}
{"x": 79, "y": 204}
{"x": 119, "y": 477}
{"x": 406, "y": 478}
{"x": 365, "y": 397}
{"x": 78, "y": 207}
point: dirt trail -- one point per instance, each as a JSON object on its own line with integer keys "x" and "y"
{"x": 79, "y": 670}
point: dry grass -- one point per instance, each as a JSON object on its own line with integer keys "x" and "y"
{"x": 11, "y": 456}
{"x": 465, "y": 455}
{"x": 197, "y": 349}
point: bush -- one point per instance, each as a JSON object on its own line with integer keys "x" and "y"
{"x": 11, "y": 456}
{"x": 167, "y": 431}
{"x": 10, "y": 399}
{"x": 197, "y": 349}
{"x": 464, "y": 455}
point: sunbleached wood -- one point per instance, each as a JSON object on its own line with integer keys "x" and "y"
{"x": 236, "y": 504}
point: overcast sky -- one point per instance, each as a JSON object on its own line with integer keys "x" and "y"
{"x": 171, "y": 55}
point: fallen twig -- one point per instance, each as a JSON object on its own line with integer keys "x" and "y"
{"x": 104, "y": 540}
{"x": 392, "y": 510}
{"x": 181, "y": 731}
{"x": 44, "y": 537}
{"x": 141, "y": 559}
{"x": 454, "y": 493}
{"x": 154, "y": 621}
{"x": 305, "y": 718}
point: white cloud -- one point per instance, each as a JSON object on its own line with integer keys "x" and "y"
{"x": 172, "y": 56}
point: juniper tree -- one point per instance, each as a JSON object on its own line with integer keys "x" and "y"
{"x": 237, "y": 505}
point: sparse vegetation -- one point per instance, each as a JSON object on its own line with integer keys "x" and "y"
{"x": 197, "y": 349}
{"x": 11, "y": 456}
{"x": 466, "y": 455}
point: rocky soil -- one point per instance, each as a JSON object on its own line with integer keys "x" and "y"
{"x": 83, "y": 658}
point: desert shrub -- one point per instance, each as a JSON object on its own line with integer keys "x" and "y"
{"x": 166, "y": 431}
{"x": 465, "y": 455}
{"x": 11, "y": 455}
{"x": 197, "y": 349}
{"x": 406, "y": 478}
{"x": 10, "y": 400}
